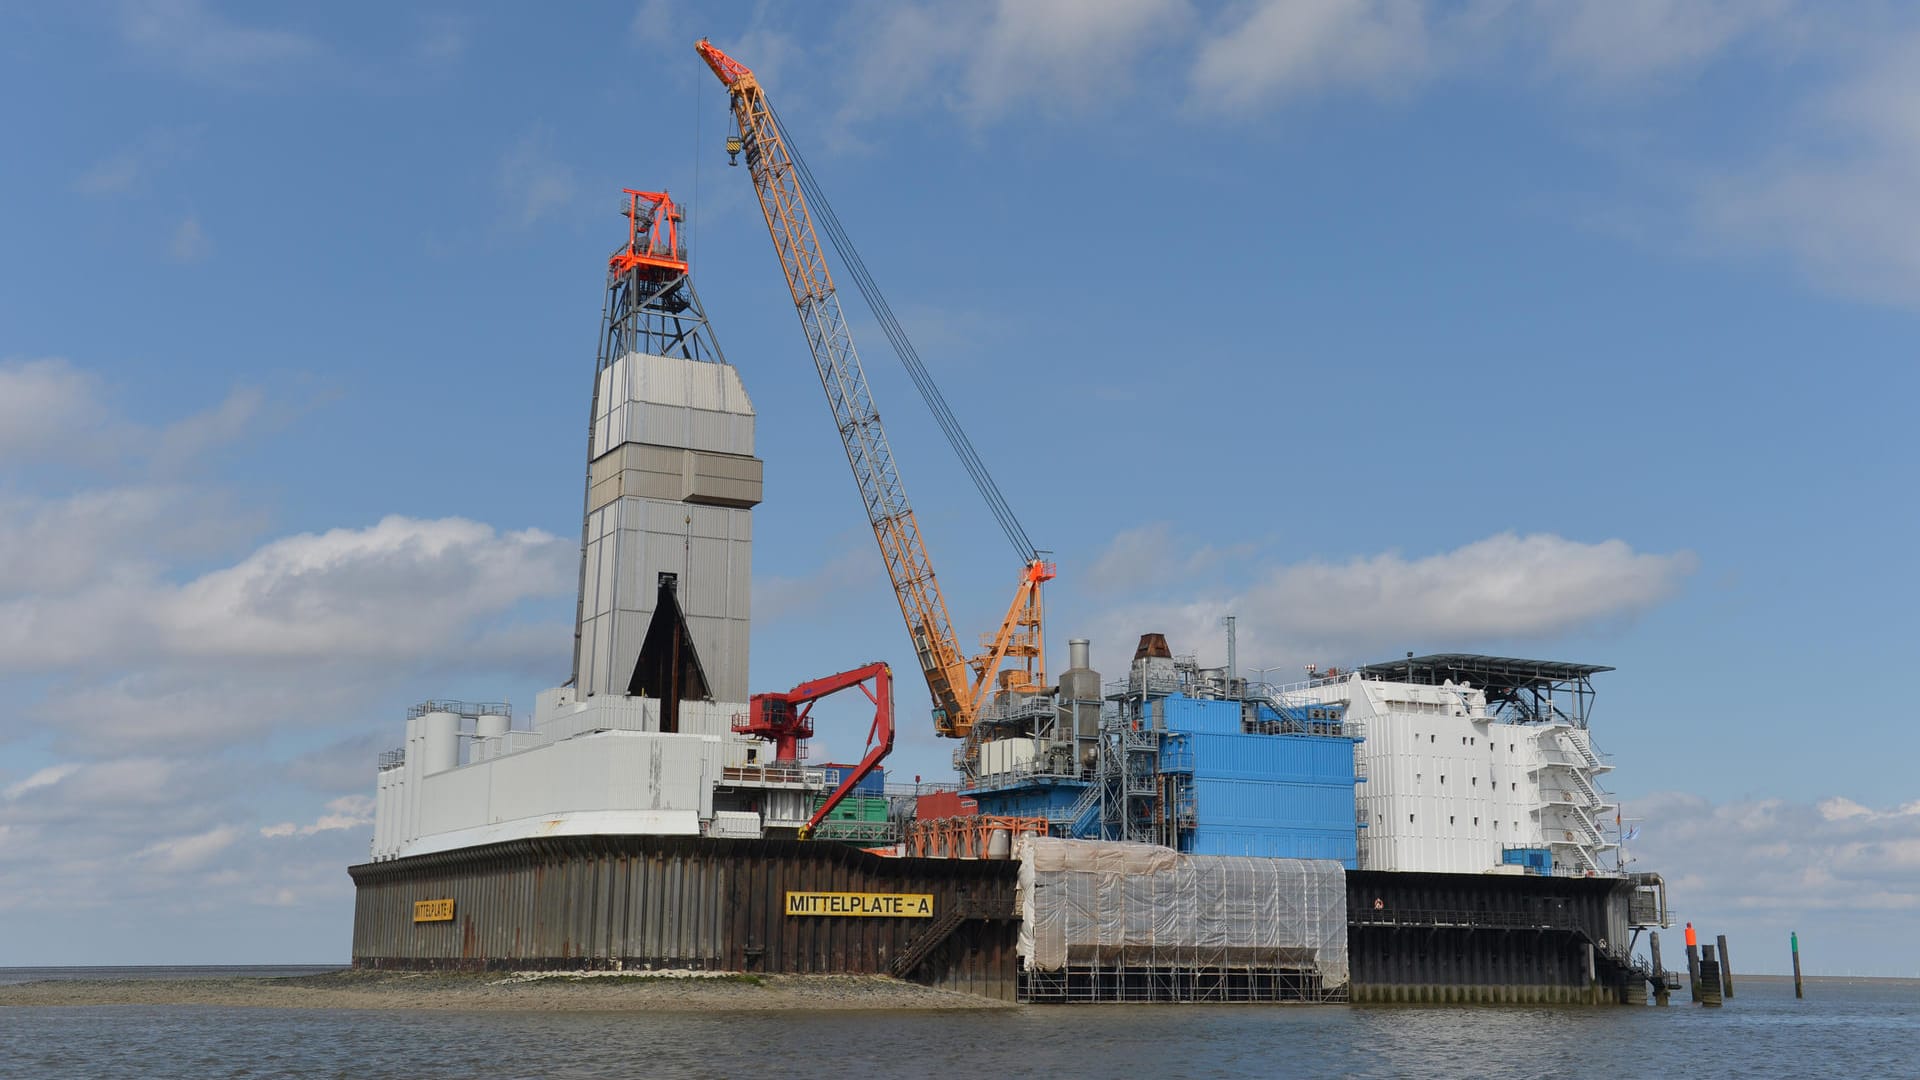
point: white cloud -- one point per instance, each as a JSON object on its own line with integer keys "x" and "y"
{"x": 168, "y": 705}
{"x": 1504, "y": 587}
{"x": 1086, "y": 54}
{"x": 182, "y": 853}
{"x": 46, "y": 777}
{"x": 1061, "y": 50}
{"x": 49, "y": 408}
{"x": 346, "y": 812}
{"x": 1624, "y": 42}
{"x": 88, "y": 579}
{"x": 178, "y": 670}
{"x": 190, "y": 243}
{"x": 119, "y": 788}
{"x": 653, "y": 25}
{"x": 1834, "y": 189}
{"x": 402, "y": 588}
{"x": 43, "y": 404}
{"x": 135, "y": 164}
{"x": 50, "y": 545}
{"x": 1279, "y": 48}
{"x": 191, "y": 436}
{"x": 1149, "y": 556}
{"x": 533, "y": 181}
{"x": 1756, "y": 869}
{"x": 855, "y": 568}
{"x": 1828, "y": 186}
{"x": 186, "y": 36}
{"x": 985, "y": 62}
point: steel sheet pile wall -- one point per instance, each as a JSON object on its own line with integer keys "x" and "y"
{"x": 638, "y": 902}
{"x": 1105, "y": 906}
{"x": 1486, "y": 938}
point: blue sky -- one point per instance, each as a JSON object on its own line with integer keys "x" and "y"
{"x": 1571, "y": 330}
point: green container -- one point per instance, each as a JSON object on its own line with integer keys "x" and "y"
{"x": 856, "y": 808}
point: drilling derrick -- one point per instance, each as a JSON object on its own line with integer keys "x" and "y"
{"x": 666, "y": 536}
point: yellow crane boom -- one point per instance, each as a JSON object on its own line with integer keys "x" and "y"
{"x": 959, "y": 684}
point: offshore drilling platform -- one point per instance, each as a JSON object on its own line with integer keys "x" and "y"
{"x": 1433, "y": 828}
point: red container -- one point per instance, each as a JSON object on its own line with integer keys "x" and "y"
{"x": 941, "y": 804}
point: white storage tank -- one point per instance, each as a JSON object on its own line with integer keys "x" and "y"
{"x": 440, "y": 742}
{"x": 489, "y": 736}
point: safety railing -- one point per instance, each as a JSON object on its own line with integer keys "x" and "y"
{"x": 763, "y": 775}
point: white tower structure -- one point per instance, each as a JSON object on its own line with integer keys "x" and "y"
{"x": 671, "y": 488}
{"x": 671, "y": 484}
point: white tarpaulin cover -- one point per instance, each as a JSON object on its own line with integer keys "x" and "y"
{"x": 1097, "y": 903}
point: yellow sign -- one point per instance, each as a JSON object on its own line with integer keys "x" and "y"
{"x": 887, "y": 905}
{"x": 433, "y": 911}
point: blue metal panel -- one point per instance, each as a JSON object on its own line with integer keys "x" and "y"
{"x": 874, "y": 783}
{"x": 1537, "y": 859}
{"x": 1274, "y": 804}
{"x": 1297, "y": 758}
{"x": 1276, "y": 843}
{"x": 1200, "y": 715}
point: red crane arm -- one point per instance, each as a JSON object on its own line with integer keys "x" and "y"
{"x": 785, "y": 717}
{"x": 879, "y": 736}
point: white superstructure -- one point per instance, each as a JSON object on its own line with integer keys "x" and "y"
{"x": 586, "y": 767}
{"x": 641, "y": 740}
{"x": 1453, "y": 782}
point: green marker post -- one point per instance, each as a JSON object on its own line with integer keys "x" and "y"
{"x": 1799, "y": 989}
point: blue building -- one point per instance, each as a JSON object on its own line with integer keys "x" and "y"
{"x": 1282, "y": 790}
{"x": 1186, "y": 757}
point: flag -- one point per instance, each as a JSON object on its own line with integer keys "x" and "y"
{"x": 1632, "y": 832}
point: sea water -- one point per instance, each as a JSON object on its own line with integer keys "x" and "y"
{"x": 1864, "y": 1028}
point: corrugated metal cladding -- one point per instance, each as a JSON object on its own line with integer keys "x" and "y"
{"x": 1310, "y": 759}
{"x": 1200, "y": 715}
{"x": 1276, "y": 796}
{"x": 1485, "y": 938}
{"x": 636, "y": 902}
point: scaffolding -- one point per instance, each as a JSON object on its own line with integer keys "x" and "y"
{"x": 1107, "y": 921}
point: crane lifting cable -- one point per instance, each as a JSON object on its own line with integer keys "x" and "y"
{"x": 903, "y": 348}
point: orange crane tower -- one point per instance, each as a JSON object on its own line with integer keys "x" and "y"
{"x": 789, "y": 200}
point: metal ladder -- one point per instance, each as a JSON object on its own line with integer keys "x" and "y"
{"x": 1586, "y": 788}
